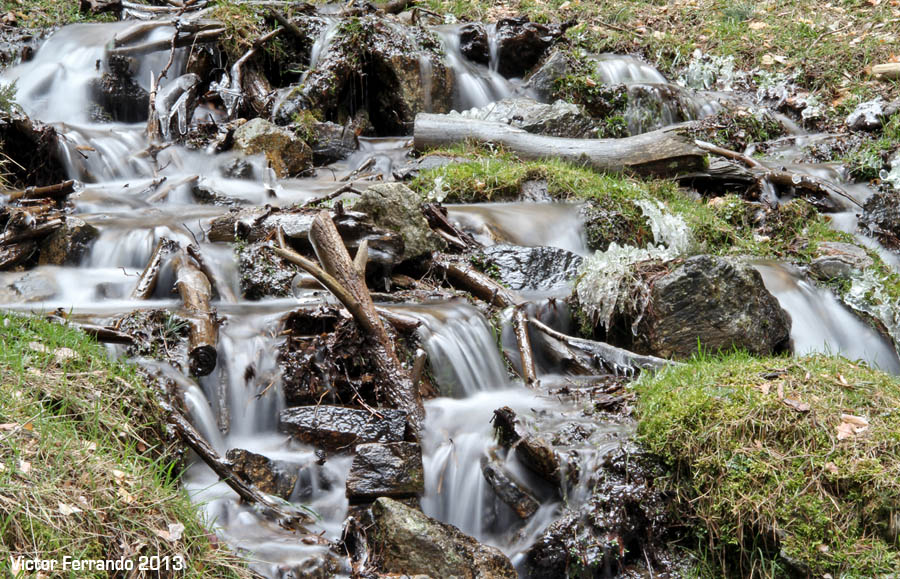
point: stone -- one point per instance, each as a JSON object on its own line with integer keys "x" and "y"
{"x": 68, "y": 244}
{"x": 867, "y": 116}
{"x": 396, "y": 207}
{"x": 720, "y": 303}
{"x": 32, "y": 286}
{"x": 881, "y": 218}
{"x": 264, "y": 274}
{"x": 338, "y": 428}
{"x": 474, "y": 44}
{"x": 118, "y": 95}
{"x": 507, "y": 489}
{"x": 332, "y": 142}
{"x": 541, "y": 82}
{"x": 560, "y": 119}
{"x": 386, "y": 470}
{"x": 837, "y": 260}
{"x": 272, "y": 477}
{"x": 530, "y": 268}
{"x": 410, "y": 542}
{"x": 521, "y": 44}
{"x": 287, "y": 154}
{"x": 533, "y": 451}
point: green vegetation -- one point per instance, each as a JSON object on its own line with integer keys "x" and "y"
{"x": 867, "y": 160}
{"x": 86, "y": 467}
{"x": 735, "y": 129}
{"x": 790, "y": 456}
{"x": 607, "y": 103}
{"x": 38, "y": 14}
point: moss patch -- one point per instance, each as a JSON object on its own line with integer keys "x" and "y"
{"x": 86, "y": 469}
{"x": 761, "y": 466}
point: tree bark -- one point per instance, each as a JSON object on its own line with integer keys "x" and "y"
{"x": 195, "y": 291}
{"x": 664, "y": 152}
{"x": 147, "y": 282}
{"x": 520, "y": 327}
{"x": 464, "y": 276}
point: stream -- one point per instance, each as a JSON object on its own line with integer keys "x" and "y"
{"x": 117, "y": 193}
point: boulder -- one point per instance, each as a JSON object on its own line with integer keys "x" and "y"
{"x": 272, "y": 477}
{"x": 338, "y": 428}
{"x": 32, "y": 286}
{"x": 881, "y": 218}
{"x": 867, "y": 116}
{"x": 396, "y": 207}
{"x": 386, "y": 470}
{"x": 118, "y": 95}
{"x": 375, "y": 66}
{"x": 718, "y": 302}
{"x": 560, "y": 119}
{"x": 287, "y": 154}
{"x": 68, "y": 244}
{"x": 410, "y": 542}
{"x": 332, "y": 142}
{"x": 529, "y": 268}
{"x": 836, "y": 260}
{"x": 521, "y": 44}
{"x": 542, "y": 81}
{"x": 474, "y": 44}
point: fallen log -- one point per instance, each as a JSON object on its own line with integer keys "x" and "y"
{"x": 195, "y": 291}
{"x": 220, "y": 286}
{"x": 436, "y": 216}
{"x": 665, "y": 152}
{"x": 56, "y": 192}
{"x": 339, "y": 275}
{"x": 587, "y": 357}
{"x": 201, "y": 37}
{"x": 520, "y": 328}
{"x": 284, "y": 513}
{"x": 41, "y": 230}
{"x": 461, "y": 274}
{"x": 507, "y": 488}
{"x": 147, "y": 282}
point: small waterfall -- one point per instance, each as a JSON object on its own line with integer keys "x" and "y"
{"x": 621, "y": 69}
{"x": 476, "y": 85}
{"x": 549, "y": 224}
{"x": 820, "y": 323}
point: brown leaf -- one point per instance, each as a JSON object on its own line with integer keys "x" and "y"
{"x": 797, "y": 405}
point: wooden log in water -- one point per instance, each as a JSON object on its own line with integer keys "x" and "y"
{"x": 13, "y": 237}
{"x": 56, "y": 192}
{"x": 664, "y": 152}
{"x": 464, "y": 276}
{"x": 220, "y": 286}
{"x": 520, "y": 328}
{"x": 147, "y": 282}
{"x": 196, "y": 292}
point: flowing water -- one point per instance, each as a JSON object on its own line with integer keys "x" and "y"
{"x": 134, "y": 198}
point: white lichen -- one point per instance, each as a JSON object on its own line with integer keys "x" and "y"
{"x": 707, "y": 71}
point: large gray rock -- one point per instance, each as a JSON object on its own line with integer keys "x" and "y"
{"x": 560, "y": 119}
{"x": 396, "y": 207}
{"x": 272, "y": 477}
{"x": 286, "y": 153}
{"x": 410, "y": 542}
{"x": 339, "y": 428}
{"x": 837, "y": 260}
{"x": 68, "y": 244}
{"x": 530, "y": 268}
{"x": 718, "y": 302}
{"x": 386, "y": 470}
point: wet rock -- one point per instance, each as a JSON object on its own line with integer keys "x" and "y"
{"x": 410, "y": 542}
{"x": 396, "y": 207}
{"x": 414, "y": 167}
{"x": 838, "y": 260}
{"x": 338, "y": 428}
{"x": 272, "y": 477}
{"x": 542, "y": 81}
{"x": 17, "y": 45}
{"x": 34, "y": 151}
{"x": 867, "y": 116}
{"x": 287, "y": 154}
{"x": 529, "y": 268}
{"x": 720, "y": 302}
{"x": 561, "y": 119}
{"x": 473, "y": 43}
{"x": 386, "y": 470}
{"x": 32, "y": 286}
{"x": 623, "y": 526}
{"x": 507, "y": 489}
{"x": 332, "y": 142}
{"x": 391, "y": 72}
{"x": 118, "y": 95}
{"x": 68, "y": 244}
{"x": 881, "y": 218}
{"x": 263, "y": 273}
{"x": 521, "y": 44}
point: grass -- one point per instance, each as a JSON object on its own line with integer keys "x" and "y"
{"x": 41, "y": 14}
{"x": 86, "y": 468}
{"x": 759, "y": 468}
{"x": 867, "y": 160}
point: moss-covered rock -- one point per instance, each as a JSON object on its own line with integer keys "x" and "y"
{"x": 792, "y": 466}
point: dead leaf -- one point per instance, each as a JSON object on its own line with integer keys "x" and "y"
{"x": 831, "y": 467}
{"x": 173, "y": 534}
{"x": 797, "y": 405}
{"x": 758, "y": 25}
{"x": 851, "y": 426}
{"x": 67, "y": 510}
{"x": 857, "y": 421}
{"x": 38, "y": 347}
{"x": 842, "y": 379}
{"x": 63, "y": 355}
{"x": 24, "y": 466}
{"x": 118, "y": 475}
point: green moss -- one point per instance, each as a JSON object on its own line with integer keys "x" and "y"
{"x": 304, "y": 125}
{"x": 756, "y": 476}
{"x": 86, "y": 469}
{"x": 735, "y": 129}
{"x": 867, "y": 160}
{"x": 40, "y": 14}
